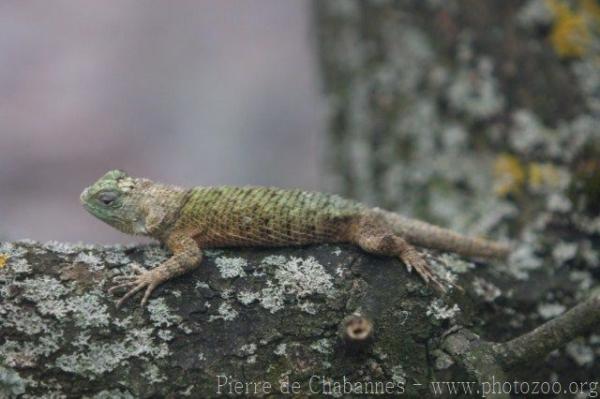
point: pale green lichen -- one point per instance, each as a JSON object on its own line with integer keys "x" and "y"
{"x": 272, "y": 297}
{"x": 558, "y": 202}
{"x": 11, "y": 383}
{"x": 441, "y": 311}
{"x": 213, "y": 253}
{"x": 564, "y": 252}
{"x": 227, "y": 293}
{"x": 248, "y": 349}
{"x": 88, "y": 311}
{"x": 485, "y": 289}
{"x": 165, "y": 335}
{"x": 19, "y": 266}
{"x": 455, "y": 263}
{"x": 116, "y": 256}
{"x": 398, "y": 374}
{"x": 44, "y": 336}
{"x": 161, "y": 314}
{"x": 42, "y": 288}
{"x": 187, "y": 391}
{"x": 94, "y": 262}
{"x": 47, "y": 292}
{"x": 551, "y": 310}
{"x": 185, "y": 327}
{"x": 26, "y": 354}
{"x": 475, "y": 91}
{"x": 295, "y": 279}
{"x": 581, "y": 353}
{"x": 201, "y": 285}
{"x": 24, "y": 320}
{"x": 308, "y": 307}
{"x": 584, "y": 279}
{"x": 534, "y": 12}
{"x": 528, "y": 132}
{"x": 304, "y": 277}
{"x": 96, "y": 358}
{"x": 589, "y": 225}
{"x": 281, "y": 349}
{"x": 323, "y": 346}
{"x": 343, "y": 8}
{"x": 231, "y": 267}
{"x": 226, "y": 312}
{"x": 153, "y": 375}
{"x": 12, "y": 250}
{"x": 64, "y": 248}
{"x": 274, "y": 260}
{"x": 247, "y": 297}
{"x": 588, "y": 76}
{"x": 112, "y": 394}
{"x": 522, "y": 260}
{"x": 26, "y": 241}
{"x": 123, "y": 323}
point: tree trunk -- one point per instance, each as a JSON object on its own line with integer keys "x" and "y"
{"x": 244, "y": 324}
{"x": 481, "y": 116}
{"x": 478, "y": 115}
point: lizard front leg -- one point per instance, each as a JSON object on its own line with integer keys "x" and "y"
{"x": 186, "y": 256}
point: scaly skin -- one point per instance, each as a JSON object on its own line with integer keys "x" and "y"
{"x": 188, "y": 221}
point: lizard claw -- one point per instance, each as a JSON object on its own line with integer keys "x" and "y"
{"x": 141, "y": 279}
{"x": 414, "y": 260}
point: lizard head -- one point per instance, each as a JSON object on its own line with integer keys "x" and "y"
{"x": 116, "y": 198}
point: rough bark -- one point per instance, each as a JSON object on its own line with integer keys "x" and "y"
{"x": 252, "y": 316}
{"x": 480, "y": 116}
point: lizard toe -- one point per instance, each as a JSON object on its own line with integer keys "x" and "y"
{"x": 149, "y": 290}
{"x": 130, "y": 293}
{"x": 117, "y": 287}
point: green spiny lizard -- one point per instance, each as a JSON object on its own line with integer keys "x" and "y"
{"x": 189, "y": 220}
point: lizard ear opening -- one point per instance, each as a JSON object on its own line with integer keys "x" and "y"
{"x": 154, "y": 218}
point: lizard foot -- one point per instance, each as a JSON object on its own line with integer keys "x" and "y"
{"x": 414, "y": 260}
{"x": 141, "y": 279}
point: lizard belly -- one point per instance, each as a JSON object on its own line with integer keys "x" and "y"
{"x": 264, "y": 234}
{"x": 260, "y": 230}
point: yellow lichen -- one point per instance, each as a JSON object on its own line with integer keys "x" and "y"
{"x": 591, "y": 8}
{"x": 509, "y": 175}
{"x": 574, "y": 25}
{"x": 542, "y": 175}
{"x": 3, "y": 260}
{"x": 512, "y": 175}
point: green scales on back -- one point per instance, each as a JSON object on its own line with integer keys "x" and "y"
{"x": 264, "y": 216}
{"x": 188, "y": 220}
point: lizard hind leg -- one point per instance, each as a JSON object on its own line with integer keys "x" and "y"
{"x": 379, "y": 240}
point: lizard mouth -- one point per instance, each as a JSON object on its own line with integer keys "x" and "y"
{"x": 84, "y": 195}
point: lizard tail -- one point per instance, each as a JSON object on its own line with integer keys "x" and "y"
{"x": 427, "y": 235}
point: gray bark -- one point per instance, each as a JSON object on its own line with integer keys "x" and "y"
{"x": 482, "y": 117}
{"x": 254, "y": 316}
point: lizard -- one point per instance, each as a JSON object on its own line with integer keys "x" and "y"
{"x": 190, "y": 220}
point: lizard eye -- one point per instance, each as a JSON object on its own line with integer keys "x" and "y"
{"x": 107, "y": 197}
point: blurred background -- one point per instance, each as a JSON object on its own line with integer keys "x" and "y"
{"x": 190, "y": 93}
{"x": 481, "y": 116}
